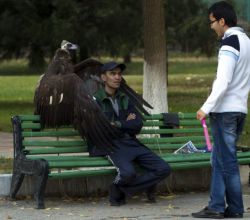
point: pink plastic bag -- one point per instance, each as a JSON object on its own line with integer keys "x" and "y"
{"x": 204, "y": 125}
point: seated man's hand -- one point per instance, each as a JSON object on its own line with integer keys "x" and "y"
{"x": 131, "y": 116}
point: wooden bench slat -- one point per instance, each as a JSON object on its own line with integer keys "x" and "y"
{"x": 31, "y": 126}
{"x": 171, "y": 131}
{"x": 61, "y": 157}
{"x": 68, "y": 164}
{"x": 59, "y": 133}
{"x": 57, "y": 150}
{"x": 169, "y": 146}
{"x": 29, "y": 117}
{"x": 55, "y": 133}
{"x": 168, "y": 156}
{"x": 180, "y": 114}
{"x": 171, "y": 140}
{"x": 161, "y": 123}
{"x": 55, "y": 143}
{"x": 81, "y": 173}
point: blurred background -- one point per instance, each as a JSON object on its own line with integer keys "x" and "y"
{"x": 33, "y": 29}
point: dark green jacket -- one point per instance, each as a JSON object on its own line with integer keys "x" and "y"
{"x": 125, "y": 107}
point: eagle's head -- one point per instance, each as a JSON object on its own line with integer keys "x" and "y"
{"x": 73, "y": 49}
{"x": 68, "y": 46}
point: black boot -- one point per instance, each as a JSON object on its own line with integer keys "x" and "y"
{"x": 151, "y": 191}
{"x": 116, "y": 196}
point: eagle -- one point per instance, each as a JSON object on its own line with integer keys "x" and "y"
{"x": 64, "y": 96}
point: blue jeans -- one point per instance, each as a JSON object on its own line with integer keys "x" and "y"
{"x": 225, "y": 191}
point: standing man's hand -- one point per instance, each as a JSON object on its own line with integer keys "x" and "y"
{"x": 200, "y": 115}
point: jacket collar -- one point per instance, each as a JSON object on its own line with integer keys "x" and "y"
{"x": 102, "y": 95}
{"x": 232, "y": 30}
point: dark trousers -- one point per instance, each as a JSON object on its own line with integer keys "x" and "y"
{"x": 132, "y": 152}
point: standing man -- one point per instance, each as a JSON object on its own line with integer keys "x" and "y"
{"x": 227, "y": 108}
{"x": 123, "y": 115}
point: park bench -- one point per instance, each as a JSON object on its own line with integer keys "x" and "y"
{"x": 60, "y": 153}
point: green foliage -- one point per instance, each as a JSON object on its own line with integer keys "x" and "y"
{"x": 26, "y": 26}
{"x": 113, "y": 27}
{"x": 187, "y": 26}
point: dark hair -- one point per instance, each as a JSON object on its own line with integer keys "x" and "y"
{"x": 224, "y": 10}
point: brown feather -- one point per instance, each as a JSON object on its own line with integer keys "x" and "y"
{"x": 61, "y": 99}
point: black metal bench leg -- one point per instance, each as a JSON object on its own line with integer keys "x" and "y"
{"x": 41, "y": 181}
{"x": 17, "y": 178}
{"x": 16, "y": 182}
{"x": 249, "y": 177}
{"x": 39, "y": 168}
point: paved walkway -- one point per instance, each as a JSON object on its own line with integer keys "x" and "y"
{"x": 172, "y": 207}
{"x": 6, "y": 144}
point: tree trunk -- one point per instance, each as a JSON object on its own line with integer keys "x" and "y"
{"x": 155, "y": 56}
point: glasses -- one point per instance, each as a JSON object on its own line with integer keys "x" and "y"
{"x": 211, "y": 22}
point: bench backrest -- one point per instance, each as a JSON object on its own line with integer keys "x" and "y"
{"x": 29, "y": 138}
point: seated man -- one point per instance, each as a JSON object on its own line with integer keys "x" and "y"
{"x": 123, "y": 115}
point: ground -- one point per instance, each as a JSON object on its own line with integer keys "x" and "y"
{"x": 178, "y": 206}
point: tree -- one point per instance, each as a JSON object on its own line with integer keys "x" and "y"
{"x": 155, "y": 56}
{"x": 26, "y": 30}
{"x": 121, "y": 27}
{"x": 188, "y": 28}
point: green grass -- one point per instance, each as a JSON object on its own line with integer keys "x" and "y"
{"x": 15, "y": 67}
{"x": 6, "y": 165}
{"x": 16, "y": 97}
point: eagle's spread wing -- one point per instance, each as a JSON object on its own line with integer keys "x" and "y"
{"x": 62, "y": 99}
{"x": 90, "y": 121}
{"x": 90, "y": 71}
{"x": 135, "y": 98}
{"x": 53, "y": 100}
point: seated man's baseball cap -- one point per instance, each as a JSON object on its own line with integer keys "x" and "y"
{"x": 112, "y": 65}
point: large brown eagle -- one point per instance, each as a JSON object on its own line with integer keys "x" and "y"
{"x": 64, "y": 96}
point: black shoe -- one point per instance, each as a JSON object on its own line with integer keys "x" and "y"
{"x": 116, "y": 196}
{"x": 208, "y": 213}
{"x": 117, "y": 202}
{"x": 228, "y": 214}
{"x": 151, "y": 191}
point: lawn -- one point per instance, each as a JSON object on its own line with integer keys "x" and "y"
{"x": 189, "y": 82}
{"x": 6, "y": 165}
